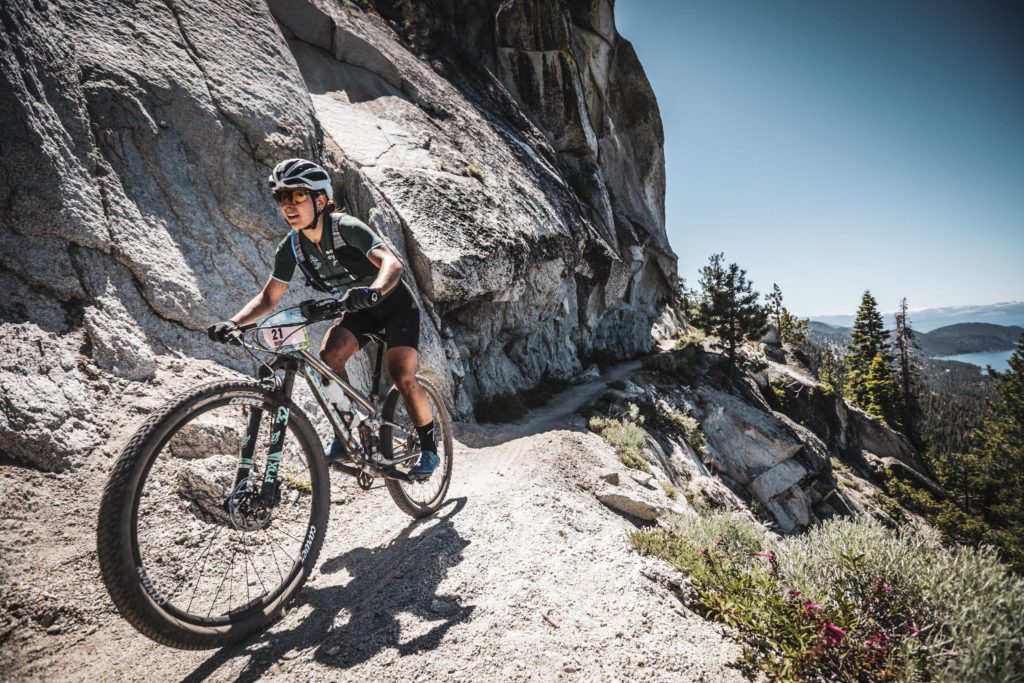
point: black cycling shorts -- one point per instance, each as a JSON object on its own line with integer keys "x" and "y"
{"x": 397, "y": 316}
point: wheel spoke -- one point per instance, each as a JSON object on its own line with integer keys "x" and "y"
{"x": 184, "y": 498}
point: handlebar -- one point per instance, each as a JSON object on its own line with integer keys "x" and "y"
{"x": 318, "y": 309}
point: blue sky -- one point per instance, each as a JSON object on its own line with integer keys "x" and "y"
{"x": 834, "y": 147}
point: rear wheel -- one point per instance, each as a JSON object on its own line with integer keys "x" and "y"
{"x": 191, "y": 558}
{"x": 421, "y": 498}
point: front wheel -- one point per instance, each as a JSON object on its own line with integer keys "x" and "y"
{"x": 421, "y": 498}
{"x": 191, "y": 555}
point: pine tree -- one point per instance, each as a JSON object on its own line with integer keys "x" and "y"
{"x": 868, "y": 339}
{"x": 1000, "y": 451}
{"x": 791, "y": 329}
{"x": 774, "y": 307}
{"x": 684, "y": 298}
{"x": 881, "y": 392}
{"x": 908, "y": 374}
{"x": 832, "y": 371}
{"x": 728, "y": 307}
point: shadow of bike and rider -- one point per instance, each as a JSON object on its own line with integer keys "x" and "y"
{"x": 401, "y": 577}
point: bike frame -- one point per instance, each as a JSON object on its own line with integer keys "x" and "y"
{"x": 367, "y": 461}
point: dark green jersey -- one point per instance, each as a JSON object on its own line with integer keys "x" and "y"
{"x": 341, "y": 266}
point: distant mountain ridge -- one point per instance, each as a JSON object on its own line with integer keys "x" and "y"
{"x": 1007, "y": 313}
{"x": 950, "y": 340}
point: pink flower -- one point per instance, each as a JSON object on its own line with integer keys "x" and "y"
{"x": 811, "y": 608}
{"x": 914, "y": 631}
{"x": 886, "y": 587}
{"x": 703, "y": 552}
{"x": 770, "y": 556}
{"x": 833, "y": 634}
{"x": 878, "y": 641}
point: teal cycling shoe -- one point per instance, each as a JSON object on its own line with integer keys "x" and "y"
{"x": 426, "y": 466}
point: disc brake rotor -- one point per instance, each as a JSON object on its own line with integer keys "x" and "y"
{"x": 244, "y": 508}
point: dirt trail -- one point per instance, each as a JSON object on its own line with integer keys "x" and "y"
{"x": 523, "y": 575}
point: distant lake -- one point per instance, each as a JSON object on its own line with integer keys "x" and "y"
{"x": 999, "y": 360}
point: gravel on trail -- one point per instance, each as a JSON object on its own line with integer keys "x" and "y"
{"x": 523, "y": 575}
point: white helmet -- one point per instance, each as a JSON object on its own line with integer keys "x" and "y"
{"x": 301, "y": 173}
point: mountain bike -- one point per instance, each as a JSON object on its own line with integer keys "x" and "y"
{"x": 215, "y": 511}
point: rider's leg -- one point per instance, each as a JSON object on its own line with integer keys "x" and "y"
{"x": 338, "y": 346}
{"x": 401, "y": 362}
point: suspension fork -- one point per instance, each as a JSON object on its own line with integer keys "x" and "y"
{"x": 252, "y": 431}
{"x": 271, "y": 482}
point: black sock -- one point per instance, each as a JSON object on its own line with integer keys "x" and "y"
{"x": 426, "y": 434}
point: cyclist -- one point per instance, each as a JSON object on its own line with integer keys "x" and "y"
{"x": 338, "y": 252}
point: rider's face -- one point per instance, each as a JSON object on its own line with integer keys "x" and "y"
{"x": 297, "y": 207}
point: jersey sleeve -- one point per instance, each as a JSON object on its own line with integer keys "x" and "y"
{"x": 358, "y": 234}
{"x": 284, "y": 261}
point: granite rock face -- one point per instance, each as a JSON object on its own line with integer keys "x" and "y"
{"x": 510, "y": 152}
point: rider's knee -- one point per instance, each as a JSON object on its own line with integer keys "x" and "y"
{"x": 406, "y": 382}
{"x": 338, "y": 351}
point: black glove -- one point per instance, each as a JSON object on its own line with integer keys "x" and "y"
{"x": 362, "y": 297}
{"x": 219, "y": 332}
{"x": 309, "y": 308}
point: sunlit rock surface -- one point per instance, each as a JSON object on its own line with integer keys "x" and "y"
{"x": 510, "y": 152}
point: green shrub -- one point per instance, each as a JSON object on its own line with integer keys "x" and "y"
{"x": 625, "y": 435}
{"x": 670, "y": 490}
{"x": 298, "y": 485}
{"x": 695, "y": 337}
{"x": 686, "y": 425}
{"x": 851, "y": 600}
{"x": 956, "y": 525}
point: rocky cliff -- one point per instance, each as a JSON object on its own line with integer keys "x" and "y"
{"x": 511, "y": 152}
{"x": 768, "y": 440}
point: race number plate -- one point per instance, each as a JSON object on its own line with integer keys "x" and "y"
{"x": 290, "y": 337}
{"x": 285, "y": 331}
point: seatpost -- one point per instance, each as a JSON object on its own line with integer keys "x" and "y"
{"x": 375, "y": 391}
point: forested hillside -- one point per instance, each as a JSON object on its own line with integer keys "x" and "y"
{"x": 969, "y": 338}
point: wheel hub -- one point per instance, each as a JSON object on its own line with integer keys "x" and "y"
{"x": 244, "y": 508}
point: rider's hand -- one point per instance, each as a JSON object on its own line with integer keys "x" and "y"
{"x": 362, "y": 297}
{"x": 219, "y": 332}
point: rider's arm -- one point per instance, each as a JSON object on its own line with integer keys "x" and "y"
{"x": 263, "y": 303}
{"x": 391, "y": 269}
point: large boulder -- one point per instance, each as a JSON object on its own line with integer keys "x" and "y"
{"x": 780, "y": 464}
{"x": 511, "y": 153}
